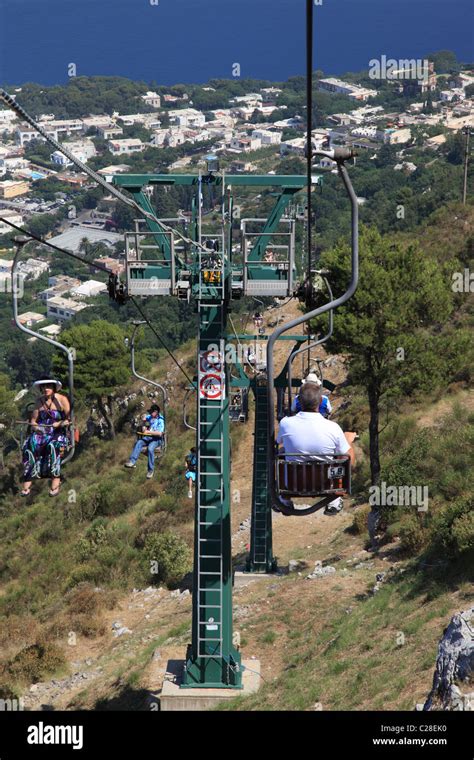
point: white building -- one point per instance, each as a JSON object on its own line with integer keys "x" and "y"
{"x": 223, "y": 116}
{"x": 295, "y": 147}
{"x": 89, "y": 289}
{"x": 266, "y": 137}
{"x": 446, "y": 96}
{"x": 81, "y": 149}
{"x": 125, "y": 146}
{"x": 63, "y": 309}
{"x": 354, "y": 91}
{"x": 245, "y": 144}
{"x": 25, "y": 135}
{"x": 270, "y": 94}
{"x": 370, "y": 132}
{"x": 33, "y": 268}
{"x": 397, "y": 136}
{"x": 187, "y": 117}
{"x": 15, "y": 218}
{"x": 31, "y": 318}
{"x": 252, "y": 100}
{"x": 94, "y": 122}
{"x": 7, "y": 118}
{"x": 108, "y": 133}
{"x": 152, "y": 99}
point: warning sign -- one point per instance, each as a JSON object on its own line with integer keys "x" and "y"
{"x": 210, "y": 387}
{"x": 210, "y": 361}
{"x": 211, "y": 375}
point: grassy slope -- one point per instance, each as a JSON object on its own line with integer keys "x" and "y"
{"x": 328, "y": 641}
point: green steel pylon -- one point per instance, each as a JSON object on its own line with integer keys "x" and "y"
{"x": 261, "y": 559}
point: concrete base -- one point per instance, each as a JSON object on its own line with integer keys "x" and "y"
{"x": 174, "y": 699}
{"x": 242, "y": 578}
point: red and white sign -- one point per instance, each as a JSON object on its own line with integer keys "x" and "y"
{"x": 210, "y": 387}
{"x": 211, "y": 376}
{"x": 210, "y": 361}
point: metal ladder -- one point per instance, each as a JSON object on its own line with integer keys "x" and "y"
{"x": 260, "y": 559}
{"x": 209, "y": 495}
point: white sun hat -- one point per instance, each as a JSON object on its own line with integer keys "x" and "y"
{"x": 48, "y": 381}
{"x": 311, "y": 378}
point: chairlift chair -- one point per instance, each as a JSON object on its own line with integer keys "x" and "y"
{"x": 162, "y": 448}
{"x": 308, "y": 476}
{"x": 73, "y": 436}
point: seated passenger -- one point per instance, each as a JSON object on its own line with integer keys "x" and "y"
{"x": 190, "y": 473}
{"x": 150, "y": 435}
{"x": 325, "y": 407}
{"x": 48, "y": 440}
{"x": 309, "y": 434}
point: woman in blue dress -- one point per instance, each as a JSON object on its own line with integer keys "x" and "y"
{"x": 49, "y": 437}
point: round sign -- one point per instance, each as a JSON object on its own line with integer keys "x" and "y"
{"x": 211, "y": 387}
{"x": 211, "y": 361}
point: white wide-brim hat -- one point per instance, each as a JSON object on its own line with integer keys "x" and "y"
{"x": 51, "y": 381}
{"x": 311, "y": 378}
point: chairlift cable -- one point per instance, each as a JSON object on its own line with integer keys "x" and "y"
{"x": 157, "y": 335}
{"x": 11, "y": 103}
{"x": 104, "y": 269}
{"x": 55, "y": 247}
{"x": 309, "y": 122}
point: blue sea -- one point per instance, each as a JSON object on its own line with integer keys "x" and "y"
{"x": 182, "y": 41}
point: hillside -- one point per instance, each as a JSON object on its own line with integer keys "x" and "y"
{"x": 66, "y": 571}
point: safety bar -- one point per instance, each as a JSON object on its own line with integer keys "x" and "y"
{"x": 307, "y": 476}
{"x": 137, "y": 324}
{"x": 69, "y": 352}
{"x": 185, "y": 419}
{"x": 339, "y": 155}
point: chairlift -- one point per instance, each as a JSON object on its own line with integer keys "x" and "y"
{"x": 73, "y": 433}
{"x": 298, "y": 475}
{"x": 164, "y": 395}
{"x": 239, "y": 405}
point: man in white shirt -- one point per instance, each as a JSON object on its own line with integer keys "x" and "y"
{"x": 308, "y": 433}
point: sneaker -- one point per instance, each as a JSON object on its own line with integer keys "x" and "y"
{"x": 130, "y": 464}
{"x": 334, "y": 507}
{"x": 190, "y": 496}
{"x": 149, "y": 474}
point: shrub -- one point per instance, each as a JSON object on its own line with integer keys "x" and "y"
{"x": 155, "y": 523}
{"x": 36, "y": 662}
{"x": 359, "y": 525}
{"x": 412, "y": 535}
{"x": 83, "y": 600}
{"x": 88, "y": 625}
{"x": 452, "y": 528}
{"x": 463, "y": 533}
{"x": 95, "y": 537}
{"x": 171, "y": 554}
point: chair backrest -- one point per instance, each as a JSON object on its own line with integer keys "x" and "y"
{"x": 312, "y": 477}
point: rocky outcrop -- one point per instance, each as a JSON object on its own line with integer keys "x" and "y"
{"x": 453, "y": 678}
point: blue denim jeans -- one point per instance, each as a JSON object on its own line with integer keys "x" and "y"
{"x": 152, "y": 445}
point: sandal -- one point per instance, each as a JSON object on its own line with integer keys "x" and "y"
{"x": 54, "y": 491}
{"x": 25, "y": 492}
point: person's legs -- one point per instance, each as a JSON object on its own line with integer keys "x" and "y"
{"x": 136, "y": 451}
{"x": 151, "y": 455}
{"x": 190, "y": 477}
